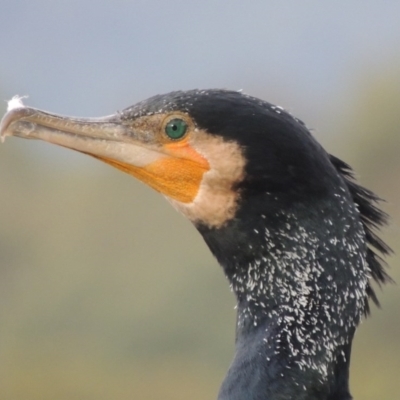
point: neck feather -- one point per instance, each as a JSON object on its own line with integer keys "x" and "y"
{"x": 300, "y": 280}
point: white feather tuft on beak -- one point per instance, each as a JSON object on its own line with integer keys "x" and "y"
{"x": 16, "y": 102}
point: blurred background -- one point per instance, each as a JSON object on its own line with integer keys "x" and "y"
{"x": 105, "y": 291}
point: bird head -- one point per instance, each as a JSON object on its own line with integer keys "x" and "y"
{"x": 206, "y": 151}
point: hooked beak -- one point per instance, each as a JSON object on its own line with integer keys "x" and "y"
{"x": 105, "y": 138}
{"x": 115, "y": 142}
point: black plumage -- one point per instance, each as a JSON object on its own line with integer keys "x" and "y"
{"x": 298, "y": 253}
{"x": 298, "y": 243}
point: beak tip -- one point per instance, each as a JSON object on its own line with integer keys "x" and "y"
{"x": 13, "y": 106}
{"x": 3, "y": 129}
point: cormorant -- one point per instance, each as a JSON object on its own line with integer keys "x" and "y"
{"x": 292, "y": 230}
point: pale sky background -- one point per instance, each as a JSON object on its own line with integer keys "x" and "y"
{"x": 91, "y": 57}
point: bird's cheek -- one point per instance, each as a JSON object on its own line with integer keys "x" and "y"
{"x": 177, "y": 172}
{"x": 177, "y": 178}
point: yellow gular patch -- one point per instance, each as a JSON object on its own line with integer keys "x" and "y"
{"x": 177, "y": 174}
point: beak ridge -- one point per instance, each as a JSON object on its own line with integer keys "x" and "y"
{"x": 105, "y": 137}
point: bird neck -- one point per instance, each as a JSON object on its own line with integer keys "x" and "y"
{"x": 300, "y": 282}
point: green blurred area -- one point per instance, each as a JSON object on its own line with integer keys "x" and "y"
{"x": 107, "y": 293}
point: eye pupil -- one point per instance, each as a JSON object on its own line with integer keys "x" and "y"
{"x": 176, "y": 128}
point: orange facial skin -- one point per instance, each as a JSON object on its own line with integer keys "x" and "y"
{"x": 177, "y": 174}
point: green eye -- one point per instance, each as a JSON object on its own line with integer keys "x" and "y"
{"x": 176, "y": 128}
